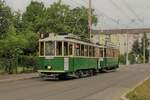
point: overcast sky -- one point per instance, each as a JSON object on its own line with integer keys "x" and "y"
{"x": 111, "y": 13}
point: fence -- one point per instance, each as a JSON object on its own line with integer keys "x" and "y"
{"x": 21, "y": 64}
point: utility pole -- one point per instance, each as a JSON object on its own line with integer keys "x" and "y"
{"x": 144, "y": 48}
{"x": 90, "y": 18}
{"x": 127, "y": 51}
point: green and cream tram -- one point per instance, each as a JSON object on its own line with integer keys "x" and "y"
{"x": 60, "y": 56}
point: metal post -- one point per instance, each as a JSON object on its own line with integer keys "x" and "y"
{"x": 90, "y": 19}
{"x": 144, "y": 49}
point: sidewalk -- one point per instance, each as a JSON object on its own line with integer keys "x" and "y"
{"x": 15, "y": 77}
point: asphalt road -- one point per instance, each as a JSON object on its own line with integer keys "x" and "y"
{"x": 106, "y": 86}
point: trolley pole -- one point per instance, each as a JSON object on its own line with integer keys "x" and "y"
{"x": 90, "y": 18}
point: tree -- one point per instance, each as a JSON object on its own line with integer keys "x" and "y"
{"x": 136, "y": 47}
{"x": 32, "y": 46}
{"x": 61, "y": 18}
{"x": 33, "y": 15}
{"x": 13, "y": 44}
{"x": 5, "y": 19}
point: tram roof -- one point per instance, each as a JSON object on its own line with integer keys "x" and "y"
{"x": 73, "y": 38}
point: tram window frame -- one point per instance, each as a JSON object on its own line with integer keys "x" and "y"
{"x": 51, "y": 50}
{"x": 41, "y": 48}
{"x": 60, "y": 51}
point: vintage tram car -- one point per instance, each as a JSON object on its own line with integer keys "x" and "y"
{"x": 62, "y": 55}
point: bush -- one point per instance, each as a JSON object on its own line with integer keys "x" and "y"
{"x": 28, "y": 61}
{"x": 18, "y": 65}
{"x": 122, "y": 59}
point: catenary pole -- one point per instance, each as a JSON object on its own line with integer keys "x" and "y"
{"x": 90, "y": 19}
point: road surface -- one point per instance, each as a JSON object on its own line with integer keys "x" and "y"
{"x": 106, "y": 86}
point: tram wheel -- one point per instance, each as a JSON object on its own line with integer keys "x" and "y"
{"x": 78, "y": 74}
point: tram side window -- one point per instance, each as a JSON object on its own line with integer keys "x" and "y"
{"x": 77, "y": 49}
{"x": 50, "y": 48}
{"x": 41, "y": 48}
{"x": 70, "y": 49}
{"x": 86, "y": 50}
{"x": 97, "y": 54}
{"x": 90, "y": 51}
{"x": 110, "y": 53}
{"x": 107, "y": 52}
{"x": 114, "y": 52}
{"x": 94, "y": 52}
{"x": 65, "y": 48}
{"x": 101, "y": 52}
{"x": 82, "y": 50}
{"x": 59, "y": 48}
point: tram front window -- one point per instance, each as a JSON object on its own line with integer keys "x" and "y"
{"x": 50, "y": 48}
{"x": 41, "y": 48}
{"x": 59, "y": 48}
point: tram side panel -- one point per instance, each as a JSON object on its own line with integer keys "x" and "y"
{"x": 84, "y": 63}
{"x": 51, "y": 65}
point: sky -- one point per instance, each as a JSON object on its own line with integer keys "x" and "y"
{"x": 112, "y": 14}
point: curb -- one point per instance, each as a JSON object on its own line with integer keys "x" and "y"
{"x": 16, "y": 79}
{"x": 123, "y": 97}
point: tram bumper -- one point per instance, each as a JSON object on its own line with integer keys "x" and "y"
{"x": 46, "y": 74}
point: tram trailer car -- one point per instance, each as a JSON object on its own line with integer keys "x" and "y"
{"x": 60, "y": 56}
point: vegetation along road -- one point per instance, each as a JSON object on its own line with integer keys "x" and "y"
{"x": 106, "y": 86}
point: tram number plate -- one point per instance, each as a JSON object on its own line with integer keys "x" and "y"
{"x": 66, "y": 64}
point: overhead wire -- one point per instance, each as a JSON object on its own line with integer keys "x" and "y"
{"x": 122, "y": 11}
{"x": 132, "y": 11}
{"x": 100, "y": 13}
{"x": 77, "y": 24}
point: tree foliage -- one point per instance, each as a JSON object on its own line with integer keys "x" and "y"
{"x": 19, "y": 33}
{"x": 138, "y": 48}
{"x": 58, "y": 18}
{"x": 5, "y": 19}
{"x": 13, "y": 44}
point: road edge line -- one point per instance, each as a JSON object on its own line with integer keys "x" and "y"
{"x": 123, "y": 97}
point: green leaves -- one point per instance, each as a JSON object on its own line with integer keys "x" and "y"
{"x": 5, "y": 19}
{"x": 13, "y": 43}
{"x": 58, "y": 18}
{"x": 19, "y": 33}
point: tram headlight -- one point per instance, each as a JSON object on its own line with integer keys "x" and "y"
{"x": 49, "y": 67}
